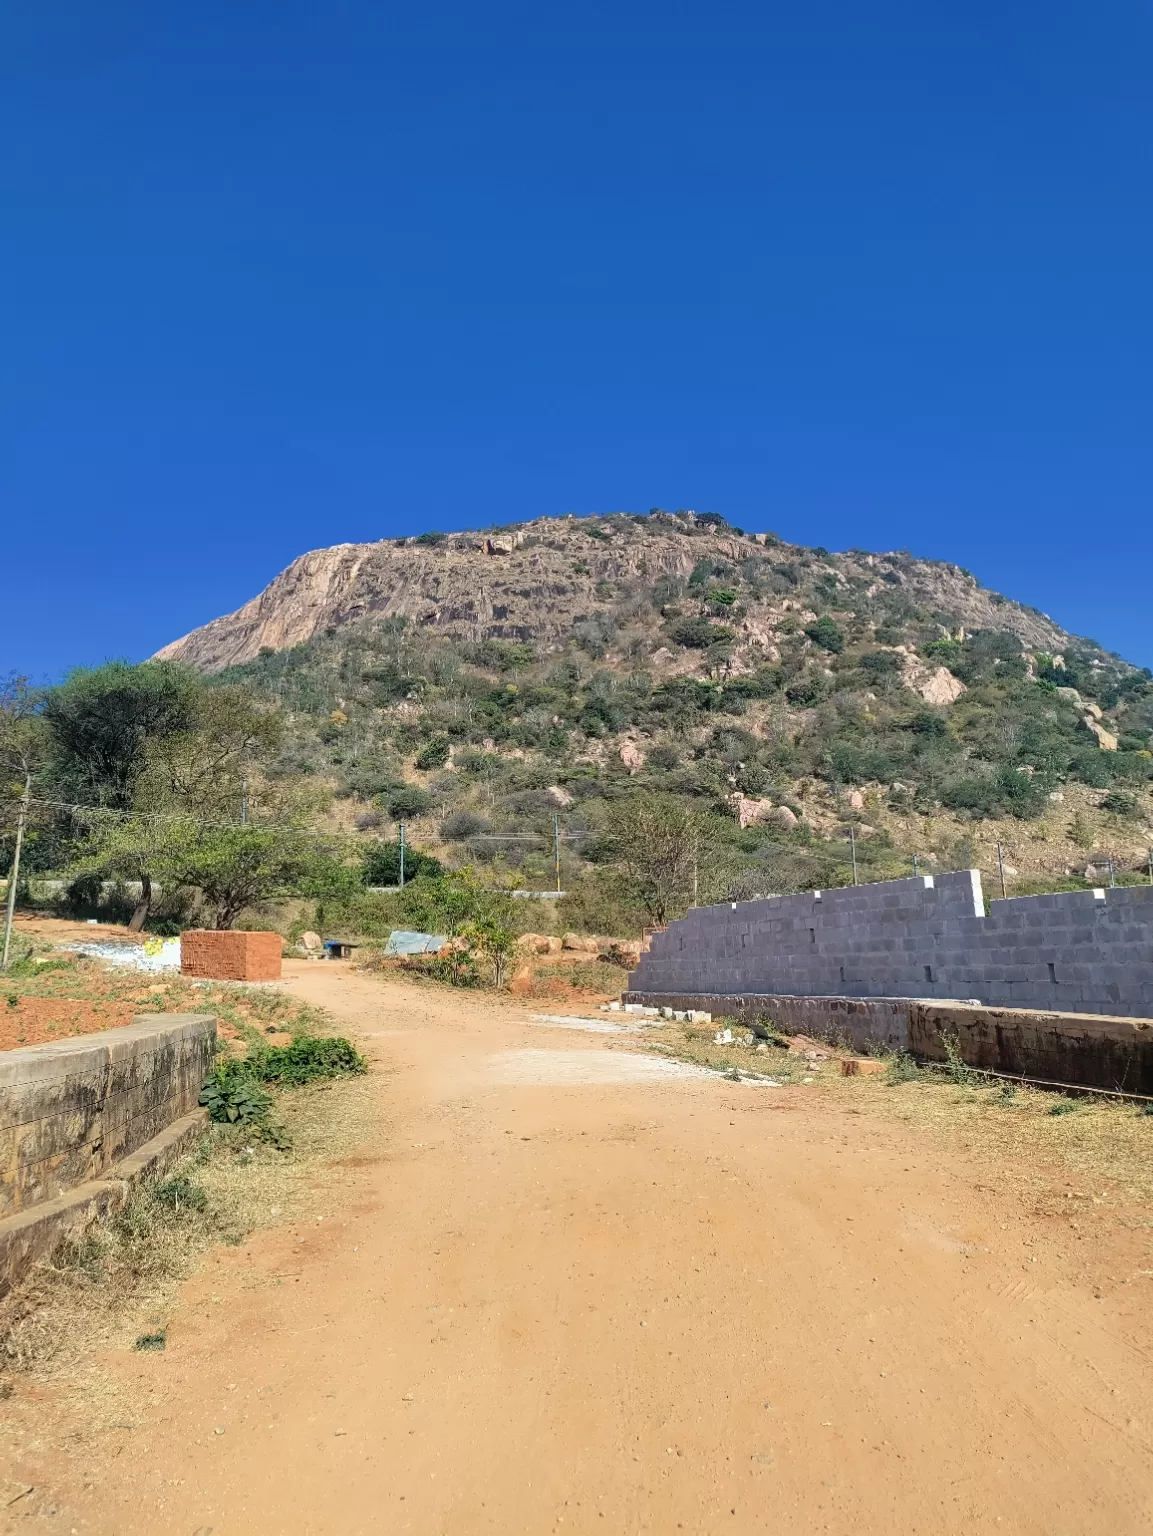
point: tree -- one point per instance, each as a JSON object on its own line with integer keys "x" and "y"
{"x": 492, "y": 936}
{"x": 22, "y": 751}
{"x": 459, "y": 906}
{"x": 661, "y": 846}
{"x": 242, "y": 866}
{"x": 103, "y": 720}
{"x": 380, "y": 863}
{"x": 168, "y": 753}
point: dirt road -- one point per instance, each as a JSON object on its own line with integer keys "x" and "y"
{"x": 578, "y": 1291}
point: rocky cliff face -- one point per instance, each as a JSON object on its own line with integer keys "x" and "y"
{"x": 536, "y": 581}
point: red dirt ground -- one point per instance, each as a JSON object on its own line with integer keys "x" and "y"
{"x": 36, "y": 1020}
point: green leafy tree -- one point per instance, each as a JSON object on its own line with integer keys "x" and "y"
{"x": 380, "y": 863}
{"x": 22, "y": 753}
{"x": 243, "y": 866}
{"x": 664, "y": 849}
{"x": 493, "y": 938}
{"x": 103, "y": 720}
{"x": 194, "y": 763}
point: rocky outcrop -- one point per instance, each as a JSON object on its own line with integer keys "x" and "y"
{"x": 539, "y": 581}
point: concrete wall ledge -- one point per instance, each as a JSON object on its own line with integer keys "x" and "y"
{"x": 31, "y": 1235}
{"x": 1076, "y": 1049}
{"x": 71, "y": 1109}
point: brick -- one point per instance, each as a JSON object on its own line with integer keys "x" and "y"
{"x": 231, "y": 955}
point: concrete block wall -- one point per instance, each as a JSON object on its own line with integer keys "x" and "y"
{"x": 71, "y": 1109}
{"x": 1075, "y": 952}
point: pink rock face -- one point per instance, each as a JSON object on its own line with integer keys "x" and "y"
{"x": 632, "y": 756}
{"x": 936, "y": 685}
{"x": 750, "y": 811}
{"x": 857, "y": 800}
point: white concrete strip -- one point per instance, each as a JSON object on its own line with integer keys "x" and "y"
{"x": 544, "y": 1069}
{"x": 590, "y": 1026}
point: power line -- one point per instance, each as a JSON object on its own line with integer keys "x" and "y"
{"x": 196, "y": 821}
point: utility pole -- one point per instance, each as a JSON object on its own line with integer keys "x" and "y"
{"x": 244, "y": 800}
{"x": 853, "y": 846}
{"x": 556, "y": 850}
{"x": 916, "y": 865}
{"x": 14, "y": 874}
{"x": 1112, "y": 881}
{"x": 1151, "y": 866}
{"x": 401, "y": 825}
{"x": 1001, "y": 868}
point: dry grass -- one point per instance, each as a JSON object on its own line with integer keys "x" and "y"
{"x": 119, "y": 1279}
{"x": 1106, "y": 1142}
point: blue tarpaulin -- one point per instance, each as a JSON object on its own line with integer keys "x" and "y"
{"x": 402, "y": 943}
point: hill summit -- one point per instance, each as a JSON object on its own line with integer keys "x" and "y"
{"x": 535, "y": 582}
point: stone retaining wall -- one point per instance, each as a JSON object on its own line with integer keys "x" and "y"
{"x": 1086, "y": 1050}
{"x": 71, "y": 1109}
{"x": 1075, "y": 952}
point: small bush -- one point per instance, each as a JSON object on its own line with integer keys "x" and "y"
{"x": 180, "y": 1194}
{"x": 1063, "y": 1107}
{"x": 434, "y": 755}
{"x": 462, "y": 825}
{"x": 1119, "y": 802}
{"x": 408, "y": 800}
{"x": 902, "y": 1069}
{"x": 827, "y": 634}
{"x": 697, "y": 634}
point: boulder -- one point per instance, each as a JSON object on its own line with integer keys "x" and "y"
{"x": 632, "y": 756}
{"x": 312, "y": 942}
{"x": 781, "y": 816}
{"x": 1105, "y": 739}
{"x": 857, "y": 800}
{"x": 581, "y": 943}
{"x": 538, "y": 943}
{"x": 521, "y": 981}
{"x": 503, "y": 543}
{"x": 936, "y": 685}
{"x": 749, "y": 812}
{"x": 558, "y": 796}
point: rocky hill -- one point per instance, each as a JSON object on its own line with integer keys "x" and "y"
{"x": 536, "y": 581}
{"x": 477, "y": 684}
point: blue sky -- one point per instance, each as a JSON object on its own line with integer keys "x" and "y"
{"x": 282, "y": 275}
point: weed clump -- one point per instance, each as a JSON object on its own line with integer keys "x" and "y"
{"x": 1063, "y": 1107}
{"x": 234, "y": 1093}
{"x": 902, "y": 1069}
{"x": 308, "y": 1058}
